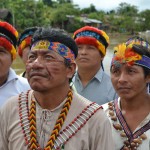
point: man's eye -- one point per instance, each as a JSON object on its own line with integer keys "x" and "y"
{"x": 31, "y": 57}
{"x": 3, "y": 51}
{"x": 131, "y": 71}
{"x": 114, "y": 71}
{"x": 48, "y": 57}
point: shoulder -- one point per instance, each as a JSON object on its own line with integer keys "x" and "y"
{"x": 105, "y": 106}
{"x": 10, "y": 107}
{"x": 80, "y": 104}
{"x": 79, "y": 100}
{"x": 106, "y": 76}
{"x": 21, "y": 81}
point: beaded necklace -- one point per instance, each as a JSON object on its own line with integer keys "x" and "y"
{"x": 132, "y": 141}
{"x": 30, "y": 137}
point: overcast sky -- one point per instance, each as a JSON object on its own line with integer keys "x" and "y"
{"x": 108, "y": 5}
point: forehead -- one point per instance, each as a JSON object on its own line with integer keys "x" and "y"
{"x": 86, "y": 45}
{"x": 4, "y": 49}
{"x": 125, "y": 66}
{"x": 44, "y": 52}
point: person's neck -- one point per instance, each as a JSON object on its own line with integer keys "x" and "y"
{"x": 3, "y": 80}
{"x": 86, "y": 75}
{"x": 136, "y": 104}
{"x": 51, "y": 99}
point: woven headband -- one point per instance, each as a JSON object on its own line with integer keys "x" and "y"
{"x": 59, "y": 48}
{"x": 138, "y": 41}
{"x": 89, "y": 33}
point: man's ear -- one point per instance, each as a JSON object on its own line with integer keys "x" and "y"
{"x": 102, "y": 56}
{"x": 71, "y": 70}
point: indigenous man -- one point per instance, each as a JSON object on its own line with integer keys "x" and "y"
{"x": 52, "y": 116}
{"x": 24, "y": 42}
{"x": 10, "y": 83}
{"x": 90, "y": 80}
{"x": 130, "y": 113}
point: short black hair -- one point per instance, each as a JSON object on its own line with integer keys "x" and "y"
{"x": 55, "y": 35}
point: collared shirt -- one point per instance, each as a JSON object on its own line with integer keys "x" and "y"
{"x": 94, "y": 135}
{"x": 13, "y": 86}
{"x": 99, "y": 89}
{"x": 119, "y": 141}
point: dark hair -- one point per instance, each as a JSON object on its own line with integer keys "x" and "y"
{"x": 55, "y": 35}
{"x": 142, "y": 51}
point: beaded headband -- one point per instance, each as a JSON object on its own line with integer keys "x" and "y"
{"x": 92, "y": 36}
{"x": 138, "y": 41}
{"x": 59, "y": 48}
{"x": 125, "y": 54}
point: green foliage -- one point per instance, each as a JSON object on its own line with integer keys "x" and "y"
{"x": 64, "y": 14}
{"x": 73, "y": 27}
{"x": 97, "y": 15}
{"x": 127, "y": 10}
{"x": 58, "y": 16}
{"x": 48, "y": 2}
{"x": 88, "y": 10}
{"x": 145, "y": 19}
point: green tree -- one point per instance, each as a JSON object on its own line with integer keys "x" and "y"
{"x": 26, "y": 13}
{"x": 48, "y": 2}
{"x": 145, "y": 20}
{"x": 58, "y": 16}
{"x": 127, "y": 9}
{"x": 88, "y": 10}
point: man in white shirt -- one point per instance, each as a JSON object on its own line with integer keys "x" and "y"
{"x": 10, "y": 83}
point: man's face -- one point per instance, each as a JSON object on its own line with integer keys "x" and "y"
{"x": 46, "y": 70}
{"x": 25, "y": 54}
{"x": 88, "y": 57}
{"x": 5, "y": 63}
{"x": 129, "y": 81}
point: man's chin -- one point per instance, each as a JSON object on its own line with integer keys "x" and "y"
{"x": 37, "y": 87}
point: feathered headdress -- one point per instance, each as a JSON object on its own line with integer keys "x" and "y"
{"x": 124, "y": 53}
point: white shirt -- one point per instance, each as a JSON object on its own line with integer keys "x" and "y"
{"x": 13, "y": 86}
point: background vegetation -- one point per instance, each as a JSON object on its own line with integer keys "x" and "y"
{"x": 27, "y": 13}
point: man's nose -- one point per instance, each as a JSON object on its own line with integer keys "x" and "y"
{"x": 83, "y": 51}
{"x": 122, "y": 77}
